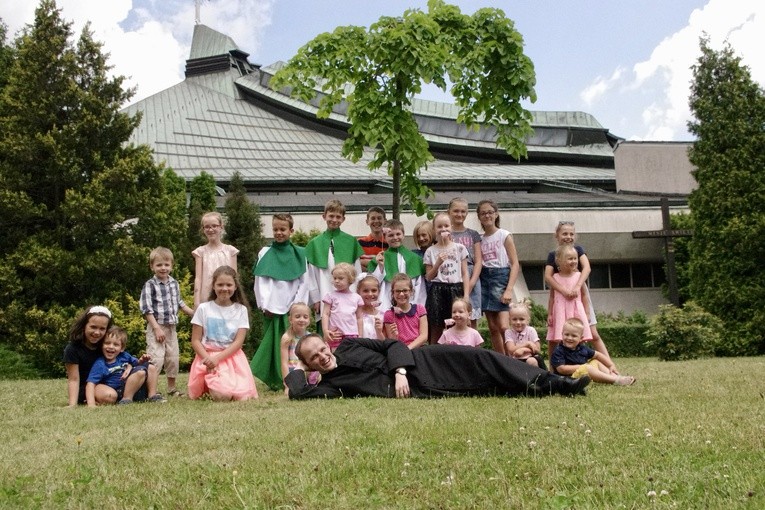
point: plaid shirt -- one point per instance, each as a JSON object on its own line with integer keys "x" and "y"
{"x": 161, "y": 299}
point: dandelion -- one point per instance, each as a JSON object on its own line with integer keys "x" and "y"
{"x": 588, "y": 432}
{"x": 708, "y": 441}
{"x": 664, "y": 493}
{"x": 564, "y": 424}
{"x": 406, "y": 464}
{"x": 651, "y": 494}
{"x": 648, "y": 434}
{"x": 547, "y": 428}
{"x": 532, "y": 444}
{"x": 521, "y": 428}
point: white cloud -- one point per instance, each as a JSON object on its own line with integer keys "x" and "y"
{"x": 600, "y": 87}
{"x": 152, "y": 51}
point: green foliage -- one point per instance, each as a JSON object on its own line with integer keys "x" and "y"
{"x": 300, "y": 237}
{"x": 682, "y": 257}
{"x": 727, "y": 276}
{"x": 685, "y": 333}
{"x": 80, "y": 209}
{"x": 16, "y": 366}
{"x": 377, "y": 72}
{"x": 201, "y": 201}
{"x": 245, "y": 231}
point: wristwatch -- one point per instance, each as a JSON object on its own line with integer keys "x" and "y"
{"x": 401, "y": 371}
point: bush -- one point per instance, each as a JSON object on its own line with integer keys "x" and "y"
{"x": 684, "y": 333}
{"x": 16, "y": 366}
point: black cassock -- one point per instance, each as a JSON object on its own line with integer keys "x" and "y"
{"x": 367, "y": 367}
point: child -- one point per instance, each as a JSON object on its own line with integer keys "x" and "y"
{"x": 327, "y": 249}
{"x": 522, "y": 340}
{"x": 446, "y": 270}
{"x": 566, "y": 234}
{"x": 119, "y": 377}
{"x": 560, "y": 307}
{"x": 211, "y": 256}
{"x": 423, "y": 237}
{"x": 372, "y": 320}
{"x": 574, "y": 359}
{"x": 281, "y": 280}
{"x": 159, "y": 303}
{"x": 397, "y": 259}
{"x": 470, "y": 239}
{"x": 342, "y": 308}
{"x": 299, "y": 319}
{"x": 218, "y": 329}
{"x": 407, "y": 321}
{"x": 461, "y": 333}
{"x": 374, "y": 243}
{"x": 83, "y": 349}
{"x": 499, "y": 272}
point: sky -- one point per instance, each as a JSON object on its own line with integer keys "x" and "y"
{"x": 628, "y": 63}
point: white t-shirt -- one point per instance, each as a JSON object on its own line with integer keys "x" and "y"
{"x": 220, "y": 323}
{"x": 450, "y": 270}
{"x": 493, "y": 249}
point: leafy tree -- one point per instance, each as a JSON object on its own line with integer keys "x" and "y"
{"x": 6, "y": 55}
{"x": 244, "y": 230}
{"x": 682, "y": 257}
{"x": 79, "y": 209}
{"x": 201, "y": 201}
{"x": 727, "y": 273}
{"x": 378, "y": 71}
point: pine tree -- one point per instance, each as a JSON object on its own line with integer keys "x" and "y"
{"x": 727, "y": 272}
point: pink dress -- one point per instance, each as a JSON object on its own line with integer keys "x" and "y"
{"x": 469, "y": 338}
{"x": 211, "y": 260}
{"x": 564, "y": 308}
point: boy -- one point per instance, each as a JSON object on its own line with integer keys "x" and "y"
{"x": 280, "y": 280}
{"x": 160, "y": 301}
{"x": 119, "y": 377}
{"x": 575, "y": 359}
{"x": 374, "y": 243}
{"x": 327, "y": 249}
{"x": 397, "y": 259}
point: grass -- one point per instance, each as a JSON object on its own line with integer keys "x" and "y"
{"x": 693, "y": 432}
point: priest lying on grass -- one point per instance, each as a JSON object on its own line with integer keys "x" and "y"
{"x": 387, "y": 368}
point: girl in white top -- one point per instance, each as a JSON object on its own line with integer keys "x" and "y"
{"x": 499, "y": 272}
{"x": 218, "y": 330}
{"x": 372, "y": 319}
{"x": 211, "y": 256}
{"x": 446, "y": 270}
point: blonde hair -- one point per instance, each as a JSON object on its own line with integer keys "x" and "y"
{"x": 560, "y": 252}
{"x": 212, "y": 214}
{"x": 160, "y": 253}
{"x": 465, "y": 302}
{"x": 428, "y": 226}
{"x": 366, "y": 280}
{"x": 334, "y": 205}
{"x": 346, "y": 270}
{"x": 295, "y": 306}
{"x": 521, "y": 306}
{"x": 575, "y": 323}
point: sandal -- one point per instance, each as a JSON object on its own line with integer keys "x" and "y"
{"x": 625, "y": 380}
{"x": 124, "y": 401}
{"x": 176, "y": 393}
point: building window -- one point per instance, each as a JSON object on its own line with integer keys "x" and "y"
{"x": 606, "y": 276}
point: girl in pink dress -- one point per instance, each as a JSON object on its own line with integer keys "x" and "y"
{"x": 560, "y": 307}
{"x": 211, "y": 256}
{"x": 341, "y": 314}
{"x": 460, "y": 333}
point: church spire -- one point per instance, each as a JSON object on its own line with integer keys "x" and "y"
{"x": 197, "y": 8}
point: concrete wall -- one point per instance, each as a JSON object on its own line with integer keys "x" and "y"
{"x": 653, "y": 167}
{"x": 616, "y": 300}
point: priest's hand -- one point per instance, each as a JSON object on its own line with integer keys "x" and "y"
{"x": 402, "y": 386}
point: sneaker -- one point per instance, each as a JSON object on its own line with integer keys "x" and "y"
{"x": 124, "y": 401}
{"x": 157, "y": 398}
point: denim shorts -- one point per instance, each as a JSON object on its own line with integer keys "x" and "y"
{"x": 493, "y": 285}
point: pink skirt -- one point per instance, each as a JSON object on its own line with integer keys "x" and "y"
{"x": 231, "y": 378}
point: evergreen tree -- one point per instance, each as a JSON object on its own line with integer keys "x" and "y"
{"x": 727, "y": 272}
{"x": 201, "y": 200}
{"x": 80, "y": 209}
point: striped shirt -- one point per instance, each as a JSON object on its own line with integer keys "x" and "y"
{"x": 161, "y": 299}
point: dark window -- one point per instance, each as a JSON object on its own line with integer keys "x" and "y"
{"x": 534, "y": 276}
{"x": 659, "y": 278}
{"x": 641, "y": 275}
{"x": 599, "y": 276}
{"x": 620, "y": 276}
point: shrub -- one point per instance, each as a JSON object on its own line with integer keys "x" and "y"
{"x": 684, "y": 333}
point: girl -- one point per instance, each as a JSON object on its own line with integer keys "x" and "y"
{"x": 560, "y": 307}
{"x": 299, "y": 318}
{"x": 405, "y": 321}
{"x": 446, "y": 270}
{"x": 371, "y": 318}
{"x": 522, "y": 340}
{"x": 566, "y": 234}
{"x": 83, "y": 349}
{"x": 423, "y": 237}
{"x": 211, "y": 256}
{"x": 341, "y": 315}
{"x": 461, "y": 333}
{"x": 471, "y": 240}
{"x": 499, "y": 272}
{"x": 218, "y": 328}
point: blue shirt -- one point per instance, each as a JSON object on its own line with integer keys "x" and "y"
{"x": 565, "y": 356}
{"x": 110, "y": 374}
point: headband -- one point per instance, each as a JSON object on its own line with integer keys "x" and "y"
{"x": 100, "y": 310}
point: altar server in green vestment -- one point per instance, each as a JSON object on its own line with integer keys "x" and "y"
{"x": 281, "y": 279}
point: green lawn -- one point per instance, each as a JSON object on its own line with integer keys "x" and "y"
{"x": 691, "y": 432}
